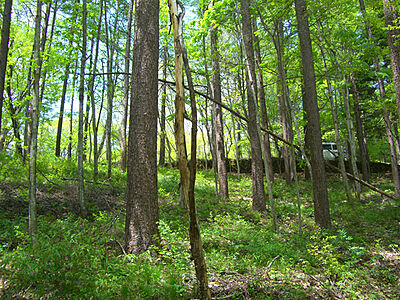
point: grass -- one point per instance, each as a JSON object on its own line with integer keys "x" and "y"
{"x": 359, "y": 258}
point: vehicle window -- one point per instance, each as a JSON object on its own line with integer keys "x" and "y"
{"x": 334, "y": 147}
{"x": 326, "y": 146}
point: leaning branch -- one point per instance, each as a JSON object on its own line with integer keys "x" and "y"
{"x": 285, "y": 141}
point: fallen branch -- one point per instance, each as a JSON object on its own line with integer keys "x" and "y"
{"x": 285, "y": 141}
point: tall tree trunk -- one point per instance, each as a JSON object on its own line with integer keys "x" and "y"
{"x": 218, "y": 123}
{"x": 122, "y": 133}
{"x": 161, "y": 161}
{"x": 263, "y": 108}
{"x": 256, "y": 155}
{"x": 350, "y": 130}
{"x": 110, "y": 90}
{"x": 71, "y": 111}
{"x": 81, "y": 186}
{"x": 5, "y": 38}
{"x": 211, "y": 138}
{"x": 92, "y": 79}
{"x": 393, "y": 156}
{"x": 188, "y": 168}
{"x": 141, "y": 196}
{"x": 313, "y": 133}
{"x": 390, "y": 139}
{"x": 335, "y": 122}
{"x": 34, "y": 125}
{"x": 359, "y": 130}
{"x": 393, "y": 36}
{"x": 284, "y": 103}
{"x": 63, "y": 94}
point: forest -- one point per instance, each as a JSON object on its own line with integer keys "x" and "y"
{"x": 199, "y": 149}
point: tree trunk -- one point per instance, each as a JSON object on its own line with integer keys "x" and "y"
{"x": 256, "y": 155}
{"x": 122, "y": 133}
{"x": 194, "y": 228}
{"x": 63, "y": 96}
{"x": 359, "y": 131}
{"x": 80, "y": 124}
{"x": 390, "y": 139}
{"x": 263, "y": 108}
{"x": 34, "y": 125}
{"x": 393, "y": 36}
{"x": 284, "y": 103}
{"x": 393, "y": 156}
{"x": 211, "y": 138}
{"x": 335, "y": 122}
{"x": 350, "y": 130}
{"x": 5, "y": 38}
{"x": 161, "y": 161}
{"x": 92, "y": 97}
{"x": 218, "y": 123}
{"x": 141, "y": 196}
{"x": 71, "y": 112}
{"x": 313, "y": 133}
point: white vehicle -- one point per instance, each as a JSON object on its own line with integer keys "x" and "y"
{"x": 330, "y": 151}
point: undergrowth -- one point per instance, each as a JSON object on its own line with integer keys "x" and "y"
{"x": 75, "y": 258}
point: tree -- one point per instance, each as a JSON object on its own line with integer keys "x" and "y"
{"x": 393, "y": 37}
{"x": 218, "y": 123}
{"x": 141, "y": 196}
{"x": 34, "y": 125}
{"x": 126, "y": 89}
{"x": 254, "y": 134}
{"x": 313, "y": 129}
{"x": 5, "y": 38}
{"x": 81, "y": 186}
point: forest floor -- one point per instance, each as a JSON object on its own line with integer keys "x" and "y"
{"x": 75, "y": 258}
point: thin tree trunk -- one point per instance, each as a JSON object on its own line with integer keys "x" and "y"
{"x": 141, "y": 195}
{"x": 92, "y": 97}
{"x": 335, "y": 123}
{"x": 393, "y": 157}
{"x": 34, "y": 126}
{"x": 313, "y": 133}
{"x": 161, "y": 161}
{"x": 256, "y": 153}
{"x": 350, "y": 130}
{"x": 110, "y": 92}
{"x": 81, "y": 186}
{"x": 122, "y": 133}
{"x": 393, "y": 35}
{"x": 63, "y": 96}
{"x": 263, "y": 108}
{"x": 284, "y": 104}
{"x": 5, "y": 38}
{"x": 359, "y": 130}
{"x": 390, "y": 139}
{"x": 72, "y": 111}
{"x": 194, "y": 227}
{"x": 211, "y": 139}
{"x": 218, "y": 123}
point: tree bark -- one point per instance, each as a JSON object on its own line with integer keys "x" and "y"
{"x": 218, "y": 123}
{"x": 161, "y": 161}
{"x": 359, "y": 130}
{"x": 393, "y": 36}
{"x": 141, "y": 196}
{"x": 63, "y": 94}
{"x": 313, "y": 133}
{"x": 263, "y": 108}
{"x": 5, "y": 38}
{"x": 80, "y": 174}
{"x": 256, "y": 154}
{"x": 122, "y": 133}
{"x": 34, "y": 125}
{"x": 92, "y": 98}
